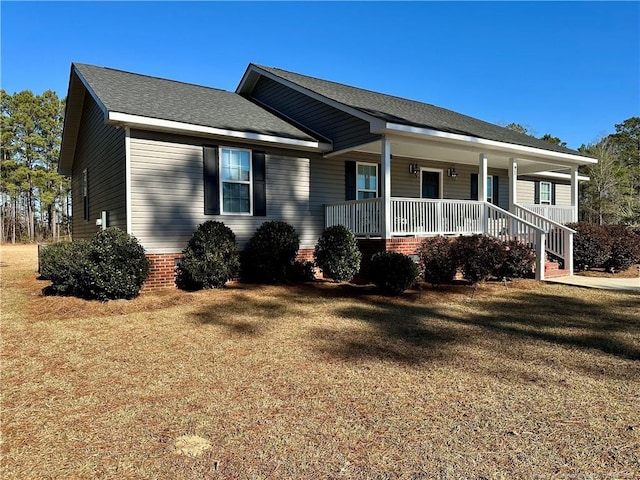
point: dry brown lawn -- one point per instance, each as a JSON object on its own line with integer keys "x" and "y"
{"x": 319, "y": 381}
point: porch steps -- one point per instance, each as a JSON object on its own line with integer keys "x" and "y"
{"x": 553, "y": 270}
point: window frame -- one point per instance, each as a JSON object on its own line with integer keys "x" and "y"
{"x": 222, "y": 181}
{"x": 550, "y": 192}
{"x": 377, "y": 188}
{"x": 490, "y": 184}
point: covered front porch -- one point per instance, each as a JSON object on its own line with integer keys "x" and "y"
{"x": 483, "y": 206}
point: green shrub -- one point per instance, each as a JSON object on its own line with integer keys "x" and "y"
{"x": 624, "y": 248}
{"x": 270, "y": 253}
{"x": 115, "y": 266}
{"x": 210, "y": 259}
{"x": 437, "y": 259}
{"x": 63, "y": 264}
{"x": 337, "y": 253}
{"x": 393, "y": 272}
{"x": 301, "y": 272}
{"x": 478, "y": 257}
{"x": 111, "y": 265}
{"x": 591, "y": 245}
{"x": 517, "y": 260}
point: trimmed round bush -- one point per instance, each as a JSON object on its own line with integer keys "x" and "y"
{"x": 517, "y": 260}
{"x": 392, "y": 272}
{"x": 211, "y": 258}
{"x": 112, "y": 265}
{"x": 301, "y": 272}
{"x": 115, "y": 266}
{"x": 478, "y": 257}
{"x": 437, "y": 259}
{"x": 63, "y": 263}
{"x": 337, "y": 253}
{"x": 270, "y": 253}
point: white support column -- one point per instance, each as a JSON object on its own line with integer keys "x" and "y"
{"x": 574, "y": 192}
{"x": 482, "y": 191}
{"x": 482, "y": 178}
{"x": 385, "y": 214}
{"x": 513, "y": 184}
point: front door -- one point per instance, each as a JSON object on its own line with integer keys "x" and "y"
{"x": 430, "y": 184}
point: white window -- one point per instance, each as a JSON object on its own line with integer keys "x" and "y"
{"x": 545, "y": 193}
{"x": 235, "y": 181}
{"x": 490, "y": 189}
{"x": 367, "y": 181}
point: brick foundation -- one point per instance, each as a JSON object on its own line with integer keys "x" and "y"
{"x": 370, "y": 246}
{"x": 163, "y": 268}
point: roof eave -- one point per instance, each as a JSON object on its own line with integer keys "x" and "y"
{"x": 170, "y": 126}
{"x": 482, "y": 144}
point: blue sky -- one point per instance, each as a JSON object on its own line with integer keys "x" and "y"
{"x": 570, "y": 69}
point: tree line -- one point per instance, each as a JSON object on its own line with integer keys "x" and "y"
{"x": 612, "y": 196}
{"x": 36, "y": 204}
{"x": 35, "y": 199}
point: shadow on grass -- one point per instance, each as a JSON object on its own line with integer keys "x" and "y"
{"x": 420, "y": 327}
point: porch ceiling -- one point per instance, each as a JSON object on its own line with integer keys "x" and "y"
{"x": 463, "y": 155}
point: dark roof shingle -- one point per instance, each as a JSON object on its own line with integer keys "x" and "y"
{"x": 412, "y": 113}
{"x": 159, "y": 98}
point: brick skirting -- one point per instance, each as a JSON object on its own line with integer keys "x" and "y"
{"x": 163, "y": 268}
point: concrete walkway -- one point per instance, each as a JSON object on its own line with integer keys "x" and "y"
{"x": 631, "y": 284}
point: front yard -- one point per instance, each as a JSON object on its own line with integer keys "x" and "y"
{"x": 319, "y": 381}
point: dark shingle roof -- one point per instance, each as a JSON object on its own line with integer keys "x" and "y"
{"x": 159, "y": 98}
{"x": 408, "y": 112}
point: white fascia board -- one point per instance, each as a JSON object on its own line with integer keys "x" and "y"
{"x": 245, "y": 86}
{"x": 510, "y": 148}
{"x": 560, "y": 176}
{"x": 145, "y": 123}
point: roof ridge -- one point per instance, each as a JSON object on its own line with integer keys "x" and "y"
{"x": 152, "y": 77}
{"x": 404, "y": 99}
{"x": 409, "y": 101}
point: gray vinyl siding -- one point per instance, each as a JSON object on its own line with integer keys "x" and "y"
{"x": 101, "y": 149}
{"x": 168, "y": 192}
{"x": 563, "y": 194}
{"x": 407, "y": 185}
{"x": 526, "y": 192}
{"x": 342, "y": 129}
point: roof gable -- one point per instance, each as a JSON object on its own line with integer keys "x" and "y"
{"x": 159, "y": 98}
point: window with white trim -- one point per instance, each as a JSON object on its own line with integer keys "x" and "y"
{"x": 545, "y": 193}
{"x": 235, "y": 181}
{"x": 367, "y": 181}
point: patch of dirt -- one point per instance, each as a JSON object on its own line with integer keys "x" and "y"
{"x": 631, "y": 272}
{"x": 191, "y": 445}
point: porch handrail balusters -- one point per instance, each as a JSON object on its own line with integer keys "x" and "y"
{"x": 362, "y": 217}
{"x": 558, "y": 213}
{"x": 559, "y": 237}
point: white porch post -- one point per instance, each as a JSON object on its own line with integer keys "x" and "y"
{"x": 482, "y": 178}
{"x": 482, "y": 191}
{"x": 574, "y": 192}
{"x": 385, "y": 214}
{"x": 513, "y": 184}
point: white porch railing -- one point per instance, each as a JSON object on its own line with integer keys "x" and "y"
{"x": 558, "y": 213}
{"x": 361, "y": 216}
{"x": 424, "y": 217}
{"x": 559, "y": 241}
